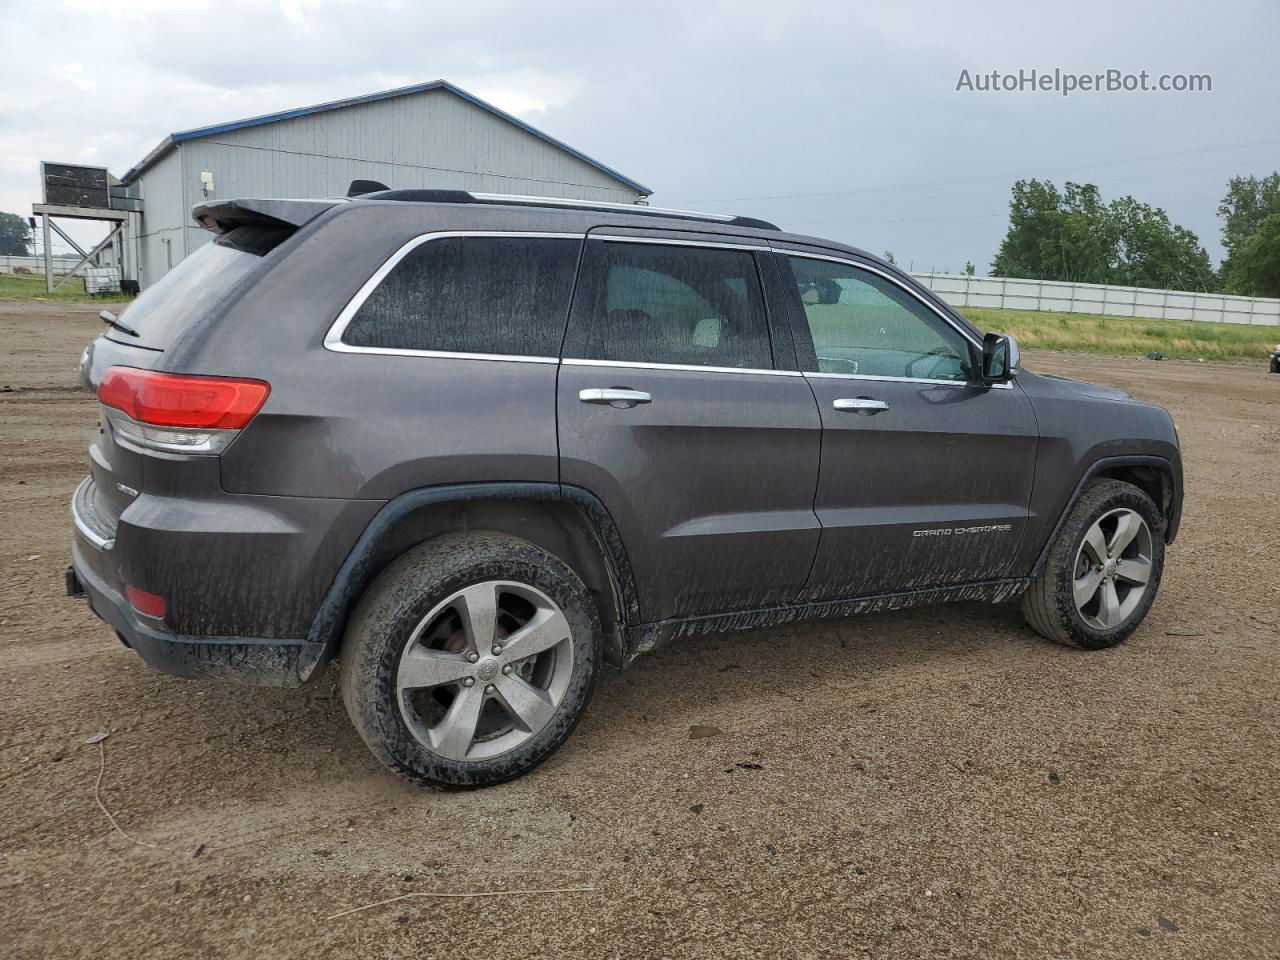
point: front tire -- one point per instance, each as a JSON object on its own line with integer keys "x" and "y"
{"x": 1103, "y": 570}
{"x": 470, "y": 659}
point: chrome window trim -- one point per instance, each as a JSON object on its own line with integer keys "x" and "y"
{"x": 333, "y": 338}
{"x": 673, "y": 242}
{"x": 95, "y": 540}
{"x": 975, "y": 384}
{"x": 438, "y": 354}
{"x": 692, "y": 367}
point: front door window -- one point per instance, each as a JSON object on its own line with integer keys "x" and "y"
{"x": 862, "y": 324}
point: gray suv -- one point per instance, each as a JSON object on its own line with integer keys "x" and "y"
{"x": 471, "y": 447}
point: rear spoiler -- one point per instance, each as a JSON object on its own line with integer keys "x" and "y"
{"x": 219, "y": 216}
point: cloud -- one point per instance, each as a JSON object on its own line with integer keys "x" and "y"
{"x": 728, "y": 105}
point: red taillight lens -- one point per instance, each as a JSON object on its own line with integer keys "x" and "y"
{"x": 147, "y": 604}
{"x": 170, "y": 400}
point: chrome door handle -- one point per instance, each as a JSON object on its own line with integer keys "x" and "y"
{"x": 614, "y": 396}
{"x": 860, "y": 404}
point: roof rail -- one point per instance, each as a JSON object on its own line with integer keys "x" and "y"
{"x": 464, "y": 196}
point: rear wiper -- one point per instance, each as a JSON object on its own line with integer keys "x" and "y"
{"x": 111, "y": 320}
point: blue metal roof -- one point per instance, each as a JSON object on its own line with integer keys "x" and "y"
{"x": 174, "y": 139}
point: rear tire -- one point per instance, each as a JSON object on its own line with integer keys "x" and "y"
{"x": 470, "y": 659}
{"x": 1103, "y": 569}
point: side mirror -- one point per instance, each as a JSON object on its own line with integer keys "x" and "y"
{"x": 1000, "y": 358}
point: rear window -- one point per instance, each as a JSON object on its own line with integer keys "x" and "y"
{"x": 192, "y": 288}
{"x": 496, "y": 295}
{"x": 683, "y": 305}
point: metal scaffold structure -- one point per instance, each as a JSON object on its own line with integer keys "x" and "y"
{"x": 75, "y": 192}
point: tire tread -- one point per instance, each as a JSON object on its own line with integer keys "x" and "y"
{"x": 406, "y": 590}
{"x": 1048, "y": 605}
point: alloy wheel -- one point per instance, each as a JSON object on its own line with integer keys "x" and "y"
{"x": 485, "y": 670}
{"x": 1113, "y": 568}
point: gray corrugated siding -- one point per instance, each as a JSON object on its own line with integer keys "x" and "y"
{"x": 163, "y": 224}
{"x": 431, "y": 139}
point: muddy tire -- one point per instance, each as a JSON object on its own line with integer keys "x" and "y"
{"x": 1103, "y": 569}
{"x": 470, "y": 659}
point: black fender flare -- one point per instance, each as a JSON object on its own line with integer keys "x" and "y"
{"x": 1170, "y": 468}
{"x": 356, "y": 571}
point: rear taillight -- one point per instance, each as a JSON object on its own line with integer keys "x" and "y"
{"x": 177, "y": 413}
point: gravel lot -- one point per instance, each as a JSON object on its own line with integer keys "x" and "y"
{"x": 933, "y": 783}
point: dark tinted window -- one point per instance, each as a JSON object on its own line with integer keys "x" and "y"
{"x": 670, "y": 304}
{"x": 195, "y": 286}
{"x": 506, "y": 295}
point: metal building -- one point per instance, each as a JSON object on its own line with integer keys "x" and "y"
{"x": 428, "y": 135}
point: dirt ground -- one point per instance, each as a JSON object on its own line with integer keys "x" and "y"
{"x": 933, "y": 783}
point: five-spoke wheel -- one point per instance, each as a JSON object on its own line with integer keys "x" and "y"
{"x": 1113, "y": 568}
{"x": 470, "y": 659}
{"x": 1102, "y": 570}
{"x": 485, "y": 670}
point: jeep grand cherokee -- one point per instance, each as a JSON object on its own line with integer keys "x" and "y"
{"x": 472, "y": 446}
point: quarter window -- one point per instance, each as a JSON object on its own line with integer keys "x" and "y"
{"x": 863, "y": 324}
{"x": 499, "y": 295}
{"x": 660, "y": 303}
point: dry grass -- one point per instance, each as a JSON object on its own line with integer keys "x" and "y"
{"x": 17, "y": 287}
{"x": 1123, "y": 336}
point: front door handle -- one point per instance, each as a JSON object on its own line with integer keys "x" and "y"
{"x": 620, "y": 397}
{"x": 860, "y": 404}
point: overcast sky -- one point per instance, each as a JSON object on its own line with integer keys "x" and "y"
{"x": 840, "y": 119}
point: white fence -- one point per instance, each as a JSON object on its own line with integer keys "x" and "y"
{"x": 961, "y": 290}
{"x": 35, "y": 265}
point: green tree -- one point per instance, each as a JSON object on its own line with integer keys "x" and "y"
{"x": 1253, "y": 269}
{"x": 1073, "y": 235}
{"x": 1250, "y": 204}
{"x": 969, "y": 268}
{"x": 1152, "y": 252}
{"x": 888, "y": 257}
{"x": 1034, "y": 217}
{"x": 15, "y": 236}
{"x": 1085, "y": 246}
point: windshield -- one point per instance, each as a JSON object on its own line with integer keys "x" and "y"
{"x": 191, "y": 289}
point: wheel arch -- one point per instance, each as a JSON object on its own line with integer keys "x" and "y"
{"x": 1157, "y": 477}
{"x": 566, "y": 521}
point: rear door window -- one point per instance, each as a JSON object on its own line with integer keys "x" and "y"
{"x": 670, "y": 304}
{"x": 490, "y": 295}
{"x": 193, "y": 288}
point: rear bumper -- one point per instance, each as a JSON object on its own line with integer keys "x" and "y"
{"x": 259, "y": 662}
{"x": 209, "y": 558}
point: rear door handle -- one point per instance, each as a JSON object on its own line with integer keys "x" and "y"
{"x": 614, "y": 396}
{"x": 860, "y": 404}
